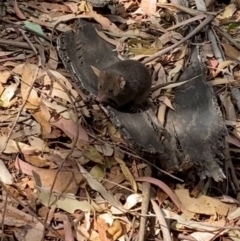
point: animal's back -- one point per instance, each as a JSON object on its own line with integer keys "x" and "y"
{"x": 137, "y": 76}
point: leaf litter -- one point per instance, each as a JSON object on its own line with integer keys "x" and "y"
{"x": 63, "y": 158}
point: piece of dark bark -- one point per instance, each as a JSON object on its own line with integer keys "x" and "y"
{"x": 85, "y": 48}
{"x": 99, "y": 3}
{"x": 196, "y": 126}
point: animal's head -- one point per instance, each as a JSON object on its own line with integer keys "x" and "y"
{"x": 110, "y": 88}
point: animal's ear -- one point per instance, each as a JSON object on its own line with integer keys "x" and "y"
{"x": 121, "y": 81}
{"x": 102, "y": 74}
{"x": 96, "y": 70}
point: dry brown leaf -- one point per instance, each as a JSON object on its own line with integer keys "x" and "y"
{"x": 8, "y": 93}
{"x": 61, "y": 27}
{"x": 56, "y": 108}
{"x": 105, "y": 149}
{"x": 222, "y": 66}
{"x": 72, "y": 6}
{"x": 70, "y": 129}
{"x": 5, "y": 175}
{"x": 230, "y": 51}
{"x": 116, "y": 230}
{"x": 37, "y": 143}
{"x": 5, "y": 53}
{"x": 127, "y": 174}
{"x": 54, "y": 6}
{"x": 4, "y": 76}
{"x": 24, "y": 167}
{"x": 204, "y": 204}
{"x": 228, "y": 106}
{"x": 149, "y": 6}
{"x": 28, "y": 75}
{"x": 166, "y": 101}
{"x": 228, "y": 12}
{"x": 65, "y": 82}
{"x": 114, "y": 134}
{"x": 236, "y": 130}
{"x": 18, "y": 11}
{"x": 232, "y": 140}
{"x": 101, "y": 226}
{"x": 161, "y": 78}
{"x": 36, "y": 161}
{"x": 67, "y": 226}
{"x": 161, "y": 113}
{"x": 53, "y": 58}
{"x": 66, "y": 182}
{"x": 104, "y": 36}
{"x": 40, "y": 118}
{"x": 221, "y": 81}
{"x": 92, "y": 154}
{"x": 106, "y": 24}
{"x": 98, "y": 172}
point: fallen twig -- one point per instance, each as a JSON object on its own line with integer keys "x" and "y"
{"x": 207, "y": 20}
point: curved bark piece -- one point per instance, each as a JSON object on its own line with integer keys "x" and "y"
{"x": 85, "y": 48}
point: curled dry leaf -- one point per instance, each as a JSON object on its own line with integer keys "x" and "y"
{"x": 101, "y": 226}
{"x": 116, "y": 230}
{"x": 132, "y": 200}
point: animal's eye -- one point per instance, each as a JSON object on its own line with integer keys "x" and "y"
{"x": 100, "y": 87}
{"x": 110, "y": 90}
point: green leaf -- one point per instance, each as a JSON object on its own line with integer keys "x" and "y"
{"x": 35, "y": 27}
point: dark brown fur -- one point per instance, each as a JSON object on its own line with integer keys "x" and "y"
{"x": 123, "y": 82}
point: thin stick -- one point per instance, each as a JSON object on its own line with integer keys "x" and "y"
{"x": 207, "y": 20}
